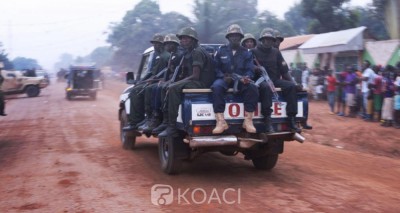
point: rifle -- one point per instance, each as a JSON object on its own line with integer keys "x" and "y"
{"x": 236, "y": 78}
{"x": 155, "y": 77}
{"x": 265, "y": 77}
{"x": 172, "y": 80}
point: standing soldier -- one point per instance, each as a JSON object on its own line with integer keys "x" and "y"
{"x": 2, "y": 103}
{"x": 140, "y": 96}
{"x": 271, "y": 59}
{"x": 196, "y": 66}
{"x": 233, "y": 59}
{"x": 249, "y": 41}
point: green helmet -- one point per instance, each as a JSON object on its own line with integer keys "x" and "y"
{"x": 278, "y": 35}
{"x": 188, "y": 31}
{"x": 248, "y": 36}
{"x": 267, "y": 33}
{"x": 171, "y": 38}
{"x": 234, "y": 29}
{"x": 157, "y": 38}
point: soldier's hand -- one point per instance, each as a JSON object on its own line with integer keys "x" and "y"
{"x": 245, "y": 80}
{"x": 299, "y": 87}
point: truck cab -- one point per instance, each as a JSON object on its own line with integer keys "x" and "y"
{"x": 15, "y": 82}
{"x": 196, "y": 120}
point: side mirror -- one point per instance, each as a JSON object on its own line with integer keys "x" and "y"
{"x": 130, "y": 78}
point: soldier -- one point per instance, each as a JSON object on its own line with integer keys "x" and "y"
{"x": 2, "y": 103}
{"x": 278, "y": 39}
{"x": 271, "y": 59}
{"x": 141, "y": 93}
{"x": 171, "y": 44}
{"x": 249, "y": 41}
{"x": 230, "y": 60}
{"x": 196, "y": 66}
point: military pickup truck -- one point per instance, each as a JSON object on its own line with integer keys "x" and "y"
{"x": 196, "y": 120}
{"x": 15, "y": 82}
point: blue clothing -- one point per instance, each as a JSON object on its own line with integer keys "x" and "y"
{"x": 241, "y": 63}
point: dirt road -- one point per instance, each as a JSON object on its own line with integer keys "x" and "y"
{"x": 65, "y": 156}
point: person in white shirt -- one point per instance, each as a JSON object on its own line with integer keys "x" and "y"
{"x": 368, "y": 76}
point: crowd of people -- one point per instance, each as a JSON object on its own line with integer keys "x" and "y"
{"x": 372, "y": 93}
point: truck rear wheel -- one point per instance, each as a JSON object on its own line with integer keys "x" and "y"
{"x": 32, "y": 91}
{"x": 170, "y": 153}
{"x": 128, "y": 140}
{"x": 266, "y": 162}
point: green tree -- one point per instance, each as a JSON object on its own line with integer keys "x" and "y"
{"x": 21, "y": 63}
{"x": 295, "y": 17}
{"x": 214, "y": 16}
{"x": 8, "y": 65}
{"x": 101, "y": 56}
{"x": 328, "y": 15}
{"x": 130, "y": 37}
{"x": 370, "y": 18}
{"x": 268, "y": 19}
{"x": 64, "y": 62}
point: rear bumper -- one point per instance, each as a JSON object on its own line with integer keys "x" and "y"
{"x": 231, "y": 140}
{"x": 82, "y": 92}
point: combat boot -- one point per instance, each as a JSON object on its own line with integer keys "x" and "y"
{"x": 154, "y": 122}
{"x": 292, "y": 124}
{"x": 248, "y": 122}
{"x": 221, "y": 125}
{"x": 129, "y": 127}
{"x": 171, "y": 131}
{"x": 268, "y": 125}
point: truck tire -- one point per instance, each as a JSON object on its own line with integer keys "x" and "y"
{"x": 128, "y": 141}
{"x": 32, "y": 91}
{"x": 168, "y": 150}
{"x": 266, "y": 162}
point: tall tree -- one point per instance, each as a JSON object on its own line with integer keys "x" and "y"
{"x": 21, "y": 63}
{"x": 101, "y": 56}
{"x": 328, "y": 15}
{"x": 4, "y": 58}
{"x": 268, "y": 19}
{"x": 370, "y": 18}
{"x": 295, "y": 17}
{"x": 130, "y": 37}
{"x": 214, "y": 16}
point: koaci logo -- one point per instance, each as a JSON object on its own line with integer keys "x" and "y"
{"x": 162, "y": 194}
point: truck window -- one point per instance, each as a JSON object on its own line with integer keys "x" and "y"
{"x": 144, "y": 65}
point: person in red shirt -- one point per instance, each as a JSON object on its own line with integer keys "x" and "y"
{"x": 331, "y": 89}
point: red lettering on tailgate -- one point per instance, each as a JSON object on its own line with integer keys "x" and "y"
{"x": 277, "y": 109}
{"x": 234, "y": 110}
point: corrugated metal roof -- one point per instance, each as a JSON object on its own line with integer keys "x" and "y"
{"x": 382, "y": 51}
{"x": 344, "y": 40}
{"x": 294, "y": 42}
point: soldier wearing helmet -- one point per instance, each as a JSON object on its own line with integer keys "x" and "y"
{"x": 197, "y": 74}
{"x": 278, "y": 39}
{"x": 234, "y": 60}
{"x": 141, "y": 95}
{"x": 249, "y": 41}
{"x": 271, "y": 59}
{"x": 171, "y": 45}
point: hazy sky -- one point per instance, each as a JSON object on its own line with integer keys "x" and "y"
{"x": 44, "y": 29}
